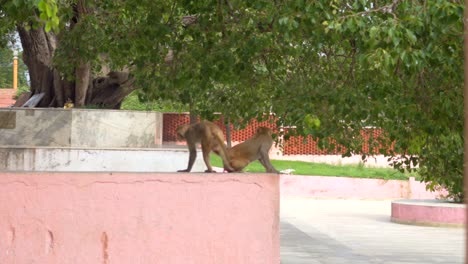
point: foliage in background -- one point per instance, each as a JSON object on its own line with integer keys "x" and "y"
{"x": 6, "y": 69}
{"x": 389, "y": 64}
{"x": 328, "y": 69}
{"x": 132, "y": 102}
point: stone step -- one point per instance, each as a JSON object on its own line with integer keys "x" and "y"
{"x": 163, "y": 159}
{"x": 7, "y": 92}
{"x": 6, "y": 102}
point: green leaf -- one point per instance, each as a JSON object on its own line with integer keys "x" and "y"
{"x": 373, "y": 32}
{"x": 283, "y": 21}
{"x": 42, "y": 5}
{"x": 351, "y": 25}
{"x": 48, "y": 10}
{"x": 48, "y": 26}
{"x": 411, "y": 37}
{"x": 55, "y": 21}
{"x": 43, "y": 16}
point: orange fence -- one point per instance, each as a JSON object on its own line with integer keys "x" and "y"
{"x": 172, "y": 120}
{"x": 294, "y": 146}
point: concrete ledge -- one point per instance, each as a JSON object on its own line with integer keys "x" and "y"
{"x": 139, "y": 218}
{"x": 163, "y": 159}
{"x": 355, "y": 188}
{"x": 428, "y": 213}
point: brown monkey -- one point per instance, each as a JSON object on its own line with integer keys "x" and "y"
{"x": 210, "y": 137}
{"x": 255, "y": 148}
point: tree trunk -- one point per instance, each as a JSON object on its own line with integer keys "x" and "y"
{"x": 104, "y": 92}
{"x": 109, "y": 92}
{"x": 38, "y": 49}
{"x": 193, "y": 117}
{"x": 228, "y": 132}
{"x": 82, "y": 74}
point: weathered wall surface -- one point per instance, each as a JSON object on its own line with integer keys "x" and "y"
{"x": 35, "y": 127}
{"x": 86, "y": 159}
{"x": 115, "y": 129}
{"x": 80, "y": 128}
{"x": 139, "y": 218}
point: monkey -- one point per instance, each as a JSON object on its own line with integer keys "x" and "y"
{"x": 211, "y": 138}
{"x": 255, "y": 148}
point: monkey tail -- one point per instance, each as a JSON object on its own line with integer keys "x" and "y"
{"x": 225, "y": 156}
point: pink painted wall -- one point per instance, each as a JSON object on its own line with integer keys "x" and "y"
{"x": 139, "y": 218}
{"x": 418, "y": 190}
{"x": 343, "y": 187}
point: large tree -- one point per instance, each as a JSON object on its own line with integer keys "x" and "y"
{"x": 68, "y": 62}
{"x": 395, "y": 65}
{"x": 331, "y": 69}
{"x": 328, "y": 68}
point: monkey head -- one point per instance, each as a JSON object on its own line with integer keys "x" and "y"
{"x": 181, "y": 130}
{"x": 264, "y": 130}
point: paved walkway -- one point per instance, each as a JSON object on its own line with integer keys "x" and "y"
{"x": 359, "y": 232}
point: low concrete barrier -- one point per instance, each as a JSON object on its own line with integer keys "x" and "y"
{"x": 164, "y": 159}
{"x": 139, "y": 218}
{"x": 429, "y": 213}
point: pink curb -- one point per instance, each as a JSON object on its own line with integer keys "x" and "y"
{"x": 353, "y": 188}
{"x": 429, "y": 213}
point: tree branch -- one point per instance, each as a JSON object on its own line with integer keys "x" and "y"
{"x": 389, "y": 9}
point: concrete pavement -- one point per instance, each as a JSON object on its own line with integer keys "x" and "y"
{"x": 360, "y": 232}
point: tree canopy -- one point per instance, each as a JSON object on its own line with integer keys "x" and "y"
{"x": 327, "y": 68}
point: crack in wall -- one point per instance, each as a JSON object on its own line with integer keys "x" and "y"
{"x": 224, "y": 181}
{"x": 104, "y": 243}
{"x": 18, "y": 182}
{"x": 49, "y": 245}
{"x": 11, "y": 236}
{"x": 134, "y": 182}
{"x": 170, "y": 182}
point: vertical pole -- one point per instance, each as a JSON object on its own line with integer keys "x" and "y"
{"x": 15, "y": 70}
{"x": 227, "y": 124}
{"x": 465, "y": 117}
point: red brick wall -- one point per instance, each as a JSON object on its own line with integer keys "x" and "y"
{"x": 247, "y": 132}
{"x": 172, "y": 120}
{"x": 6, "y": 97}
{"x": 375, "y": 133}
{"x": 294, "y": 146}
{"x": 170, "y": 123}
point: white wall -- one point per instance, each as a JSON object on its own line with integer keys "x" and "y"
{"x": 88, "y": 160}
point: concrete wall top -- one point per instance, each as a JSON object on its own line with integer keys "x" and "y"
{"x": 94, "y": 159}
{"x": 125, "y": 218}
{"x": 95, "y": 128}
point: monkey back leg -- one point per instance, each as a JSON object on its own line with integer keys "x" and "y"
{"x": 206, "y": 149}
